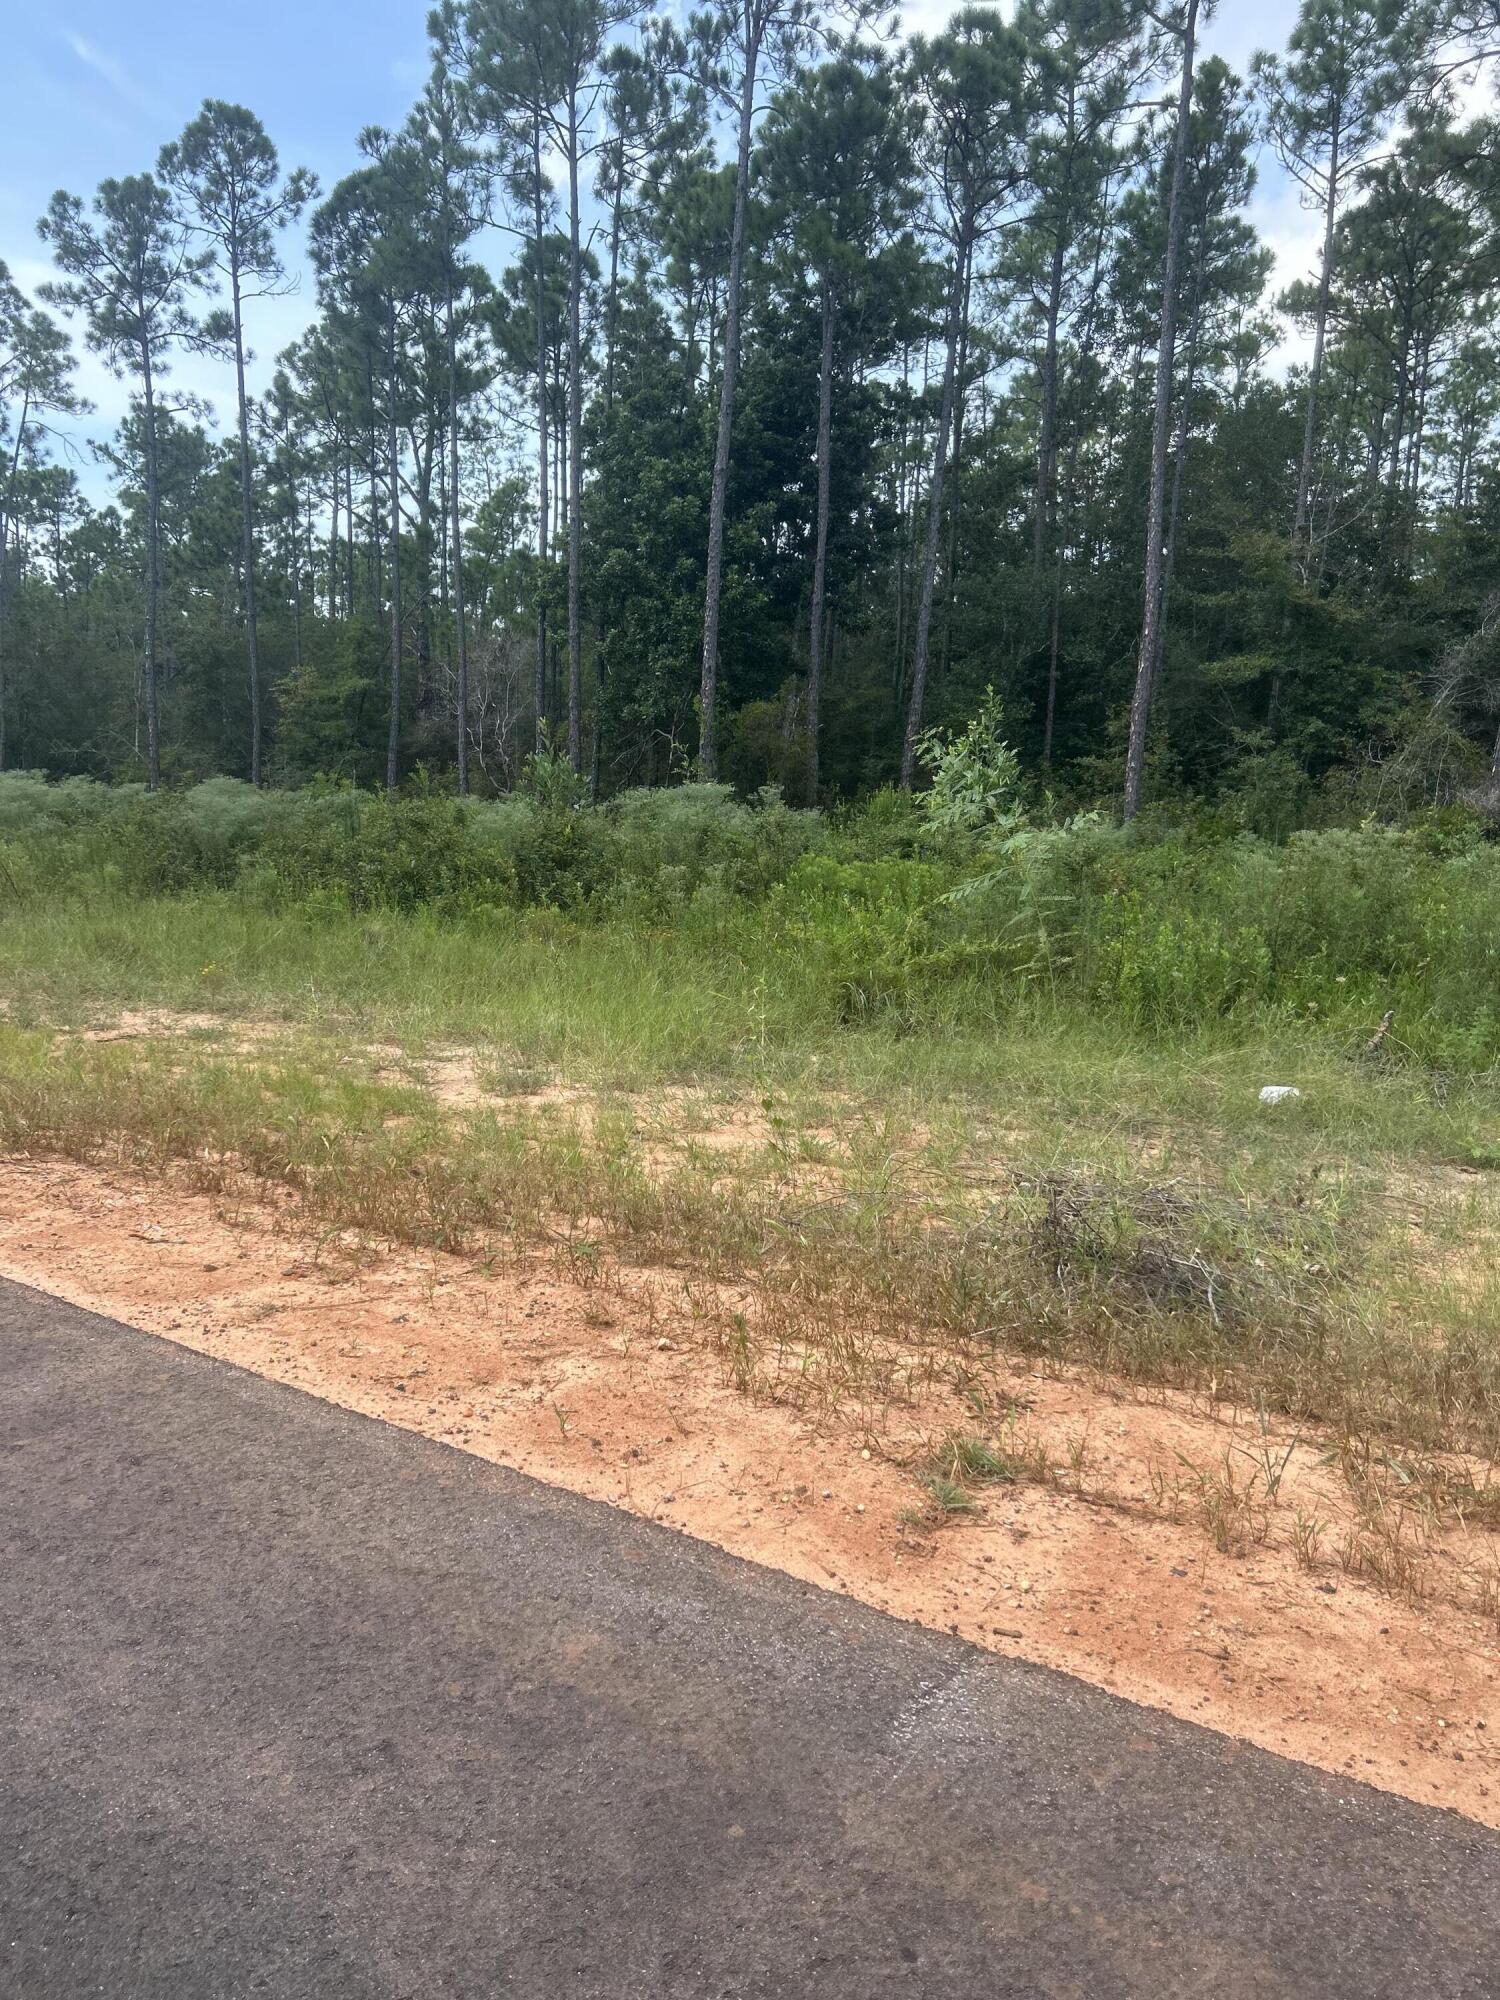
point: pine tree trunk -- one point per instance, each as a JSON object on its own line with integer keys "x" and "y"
{"x": 153, "y": 577}
{"x": 423, "y": 457}
{"x": 1320, "y": 335}
{"x": 445, "y": 530}
{"x": 575, "y": 455}
{"x": 456, "y": 543}
{"x": 19, "y": 438}
{"x": 1179, "y": 455}
{"x": 4, "y": 560}
{"x": 611, "y": 338}
{"x": 247, "y": 522}
{"x": 393, "y": 450}
{"x": 955, "y": 472}
{"x": 377, "y": 570}
{"x": 820, "y": 550}
{"x": 539, "y": 685}
{"x": 333, "y": 547}
{"x": 1069, "y": 493}
{"x": 294, "y": 543}
{"x": 708, "y": 734}
{"x": 349, "y": 529}
{"x": 1046, "y": 458}
{"x": 1046, "y": 499}
{"x": 904, "y": 535}
{"x": 1140, "y": 708}
{"x": 1054, "y": 656}
{"x": 935, "y": 509}
{"x": 294, "y": 560}
{"x": 612, "y": 305}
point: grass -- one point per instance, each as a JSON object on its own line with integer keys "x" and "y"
{"x": 963, "y": 1464}
{"x": 624, "y": 1006}
{"x": 896, "y": 1208}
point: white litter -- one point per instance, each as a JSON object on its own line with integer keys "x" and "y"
{"x": 1279, "y": 1093}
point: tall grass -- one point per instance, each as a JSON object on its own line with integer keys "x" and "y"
{"x": 733, "y": 924}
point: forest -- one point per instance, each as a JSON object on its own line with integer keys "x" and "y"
{"x": 744, "y": 398}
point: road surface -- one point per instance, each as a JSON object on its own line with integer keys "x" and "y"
{"x": 296, "y": 1704}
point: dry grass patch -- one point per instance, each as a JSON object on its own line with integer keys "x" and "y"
{"x": 852, "y": 1263}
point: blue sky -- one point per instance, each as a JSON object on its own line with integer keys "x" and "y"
{"x": 97, "y": 88}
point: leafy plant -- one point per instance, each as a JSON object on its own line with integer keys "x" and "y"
{"x": 975, "y": 776}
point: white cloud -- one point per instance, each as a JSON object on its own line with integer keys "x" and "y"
{"x": 1236, "y": 32}
{"x": 555, "y": 165}
{"x": 1294, "y": 235}
{"x": 928, "y": 17}
{"x": 110, "y": 70}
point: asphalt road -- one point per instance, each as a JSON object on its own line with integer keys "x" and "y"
{"x": 294, "y": 1704}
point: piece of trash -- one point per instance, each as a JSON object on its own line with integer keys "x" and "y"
{"x": 1279, "y": 1093}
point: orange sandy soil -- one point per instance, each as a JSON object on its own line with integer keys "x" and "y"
{"x": 614, "y": 1391}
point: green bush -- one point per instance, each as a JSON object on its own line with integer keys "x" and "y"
{"x": 859, "y": 934}
{"x": 366, "y": 852}
{"x": 670, "y": 845}
{"x": 29, "y": 805}
{"x": 144, "y": 843}
{"x": 880, "y": 912}
{"x": 888, "y": 826}
{"x": 1169, "y": 975}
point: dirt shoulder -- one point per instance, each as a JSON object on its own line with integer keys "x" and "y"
{"x": 612, "y": 1389}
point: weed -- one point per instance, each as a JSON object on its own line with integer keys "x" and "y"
{"x": 1307, "y": 1538}
{"x": 1384, "y": 1556}
{"x": 962, "y": 1462}
{"x": 1166, "y": 1485}
{"x": 1270, "y": 1463}
{"x": 738, "y": 1349}
{"x": 1230, "y": 1509}
{"x": 1483, "y": 1579}
{"x": 947, "y": 1495}
{"x": 1078, "y": 1463}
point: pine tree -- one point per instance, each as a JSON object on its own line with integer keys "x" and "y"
{"x": 129, "y": 267}
{"x": 226, "y": 172}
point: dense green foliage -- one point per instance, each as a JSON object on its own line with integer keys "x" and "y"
{"x": 882, "y": 914}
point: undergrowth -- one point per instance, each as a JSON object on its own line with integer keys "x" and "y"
{"x": 908, "y": 915}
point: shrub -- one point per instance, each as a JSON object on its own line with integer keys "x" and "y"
{"x": 29, "y": 805}
{"x": 881, "y": 912}
{"x": 859, "y": 933}
{"x": 1168, "y": 974}
{"x": 370, "y": 852}
{"x": 673, "y": 844}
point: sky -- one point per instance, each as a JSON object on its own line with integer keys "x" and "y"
{"x": 97, "y": 86}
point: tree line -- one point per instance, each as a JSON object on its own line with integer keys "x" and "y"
{"x": 739, "y": 399}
